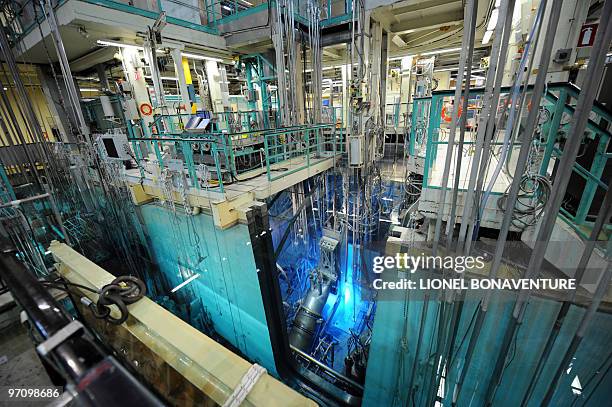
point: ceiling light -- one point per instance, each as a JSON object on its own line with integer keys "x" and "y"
{"x": 399, "y": 58}
{"x": 456, "y": 68}
{"x": 464, "y": 74}
{"x": 227, "y": 8}
{"x": 106, "y": 43}
{"x": 163, "y": 78}
{"x": 201, "y": 57}
{"x": 441, "y": 51}
{"x": 486, "y": 37}
{"x": 516, "y": 15}
{"x": 89, "y": 90}
{"x": 493, "y": 20}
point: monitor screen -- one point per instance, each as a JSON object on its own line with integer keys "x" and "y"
{"x": 111, "y": 149}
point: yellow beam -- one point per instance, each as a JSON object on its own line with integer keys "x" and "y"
{"x": 201, "y": 361}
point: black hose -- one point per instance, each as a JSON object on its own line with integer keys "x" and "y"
{"x": 122, "y": 291}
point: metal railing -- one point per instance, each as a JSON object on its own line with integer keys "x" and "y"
{"x": 559, "y": 103}
{"x": 220, "y": 158}
{"x": 428, "y": 127}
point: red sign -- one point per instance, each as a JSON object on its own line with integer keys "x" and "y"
{"x": 587, "y": 35}
{"x": 146, "y": 109}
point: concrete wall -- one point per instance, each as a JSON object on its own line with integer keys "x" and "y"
{"x": 228, "y": 287}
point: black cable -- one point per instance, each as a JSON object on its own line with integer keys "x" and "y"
{"x": 122, "y": 291}
{"x": 466, "y": 333}
{"x": 539, "y": 190}
{"x": 61, "y": 282}
{"x": 515, "y": 340}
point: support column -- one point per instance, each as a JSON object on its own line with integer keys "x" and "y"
{"x": 132, "y": 67}
{"x": 214, "y": 86}
{"x": 346, "y": 77}
{"x": 405, "y": 84}
{"x": 177, "y": 57}
{"x": 375, "y": 76}
{"x": 151, "y": 58}
{"x": 298, "y": 78}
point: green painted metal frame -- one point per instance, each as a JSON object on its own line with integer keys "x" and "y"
{"x": 557, "y": 101}
{"x": 417, "y": 115}
{"x": 592, "y": 175}
{"x": 152, "y": 14}
{"x": 280, "y": 145}
{"x": 209, "y": 9}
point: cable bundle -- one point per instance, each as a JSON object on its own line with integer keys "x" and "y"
{"x": 121, "y": 292}
{"x": 533, "y": 194}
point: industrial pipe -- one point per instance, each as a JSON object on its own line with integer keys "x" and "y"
{"x": 463, "y": 120}
{"x": 486, "y": 121}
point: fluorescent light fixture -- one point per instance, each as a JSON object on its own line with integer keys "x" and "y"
{"x": 184, "y": 283}
{"x": 441, "y": 51}
{"x": 474, "y": 70}
{"x": 106, "y": 43}
{"x": 486, "y": 37}
{"x": 472, "y": 78}
{"x": 399, "y": 58}
{"x": 200, "y": 57}
{"x": 325, "y": 68}
{"x": 163, "y": 78}
{"x": 247, "y": 3}
{"x": 227, "y": 8}
{"x": 493, "y": 20}
{"x": 464, "y": 74}
{"x": 89, "y": 90}
{"x": 516, "y": 15}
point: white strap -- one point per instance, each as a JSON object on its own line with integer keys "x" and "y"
{"x": 246, "y": 384}
{"x": 59, "y": 337}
